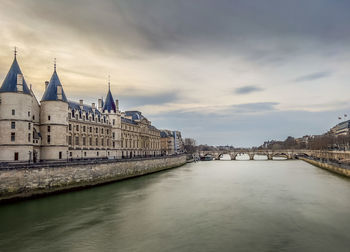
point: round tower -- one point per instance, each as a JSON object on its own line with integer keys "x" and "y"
{"x": 111, "y": 109}
{"x": 16, "y": 121}
{"x": 54, "y": 121}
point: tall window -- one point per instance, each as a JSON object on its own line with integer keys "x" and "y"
{"x": 13, "y": 125}
{"x": 28, "y": 113}
{"x": 29, "y": 126}
{"x": 16, "y": 156}
{"x": 13, "y": 137}
{"x": 84, "y": 141}
{"x": 48, "y": 139}
{"x": 70, "y": 126}
{"x": 60, "y": 155}
{"x": 113, "y": 121}
{"x": 48, "y": 129}
{"x": 96, "y": 141}
{"x": 84, "y": 128}
{"x": 49, "y": 118}
{"x": 90, "y": 141}
{"x": 28, "y": 137}
{"x": 13, "y": 112}
{"x": 77, "y": 127}
{"x": 76, "y": 140}
{"x": 70, "y": 140}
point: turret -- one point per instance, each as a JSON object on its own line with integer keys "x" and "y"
{"x": 110, "y": 108}
{"x": 54, "y": 120}
{"x": 16, "y": 116}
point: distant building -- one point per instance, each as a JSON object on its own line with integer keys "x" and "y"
{"x": 341, "y": 128}
{"x": 171, "y": 142}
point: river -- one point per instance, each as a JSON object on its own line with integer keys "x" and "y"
{"x": 204, "y": 206}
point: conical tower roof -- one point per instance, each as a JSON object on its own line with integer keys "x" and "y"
{"x": 109, "y": 103}
{"x": 10, "y": 82}
{"x": 51, "y": 90}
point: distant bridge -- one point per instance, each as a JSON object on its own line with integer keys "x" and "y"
{"x": 288, "y": 154}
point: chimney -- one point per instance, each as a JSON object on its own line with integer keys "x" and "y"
{"x": 81, "y": 103}
{"x": 99, "y": 104}
{"x": 93, "y": 106}
{"x": 117, "y": 105}
{"x": 46, "y": 84}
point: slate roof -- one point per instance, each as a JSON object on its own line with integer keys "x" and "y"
{"x": 109, "y": 104}
{"x": 86, "y": 108}
{"x": 51, "y": 90}
{"x": 10, "y": 82}
{"x": 135, "y": 115}
{"x": 127, "y": 120}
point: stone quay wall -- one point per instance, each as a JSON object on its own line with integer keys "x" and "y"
{"x": 17, "y": 183}
{"x": 332, "y": 167}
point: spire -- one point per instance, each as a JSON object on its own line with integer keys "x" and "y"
{"x": 14, "y": 77}
{"x": 109, "y": 82}
{"x": 54, "y": 91}
{"x": 109, "y": 103}
{"x": 54, "y": 64}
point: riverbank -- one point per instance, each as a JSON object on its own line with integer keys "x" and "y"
{"x": 329, "y": 166}
{"x": 20, "y": 183}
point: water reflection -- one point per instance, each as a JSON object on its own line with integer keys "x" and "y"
{"x": 205, "y": 206}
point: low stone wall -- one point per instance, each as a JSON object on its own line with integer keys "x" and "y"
{"x": 328, "y": 166}
{"x": 22, "y": 183}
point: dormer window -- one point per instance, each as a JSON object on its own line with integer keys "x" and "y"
{"x": 59, "y": 92}
{"x": 19, "y": 82}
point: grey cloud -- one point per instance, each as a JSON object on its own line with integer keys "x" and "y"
{"x": 247, "y": 89}
{"x": 313, "y": 76}
{"x": 129, "y": 100}
{"x": 166, "y": 25}
{"x": 254, "y": 107}
{"x": 246, "y": 129}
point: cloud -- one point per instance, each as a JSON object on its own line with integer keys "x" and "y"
{"x": 136, "y": 99}
{"x": 247, "y": 90}
{"x": 254, "y": 107}
{"x": 313, "y": 76}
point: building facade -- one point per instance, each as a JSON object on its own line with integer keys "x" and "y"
{"x": 171, "y": 142}
{"x": 59, "y": 129}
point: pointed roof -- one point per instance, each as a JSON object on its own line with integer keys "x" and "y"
{"x": 10, "y": 82}
{"x": 51, "y": 90}
{"x": 109, "y": 103}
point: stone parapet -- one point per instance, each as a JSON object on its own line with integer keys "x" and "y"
{"x": 23, "y": 183}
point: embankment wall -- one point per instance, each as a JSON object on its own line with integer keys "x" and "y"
{"x": 27, "y": 182}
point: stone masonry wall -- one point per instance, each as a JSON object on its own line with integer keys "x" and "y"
{"x": 329, "y": 167}
{"x": 21, "y": 183}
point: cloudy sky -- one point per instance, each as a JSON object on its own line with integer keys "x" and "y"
{"x": 224, "y": 72}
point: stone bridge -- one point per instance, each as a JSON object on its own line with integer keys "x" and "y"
{"x": 288, "y": 154}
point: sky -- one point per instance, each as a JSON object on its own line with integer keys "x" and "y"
{"x": 225, "y": 72}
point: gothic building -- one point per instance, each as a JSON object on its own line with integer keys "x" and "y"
{"x": 59, "y": 129}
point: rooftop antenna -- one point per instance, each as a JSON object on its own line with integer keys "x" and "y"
{"x": 54, "y": 64}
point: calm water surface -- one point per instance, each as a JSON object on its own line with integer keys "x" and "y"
{"x": 206, "y": 206}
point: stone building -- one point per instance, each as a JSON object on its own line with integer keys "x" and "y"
{"x": 59, "y": 129}
{"x": 171, "y": 142}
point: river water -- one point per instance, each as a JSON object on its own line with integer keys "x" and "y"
{"x": 205, "y": 206}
